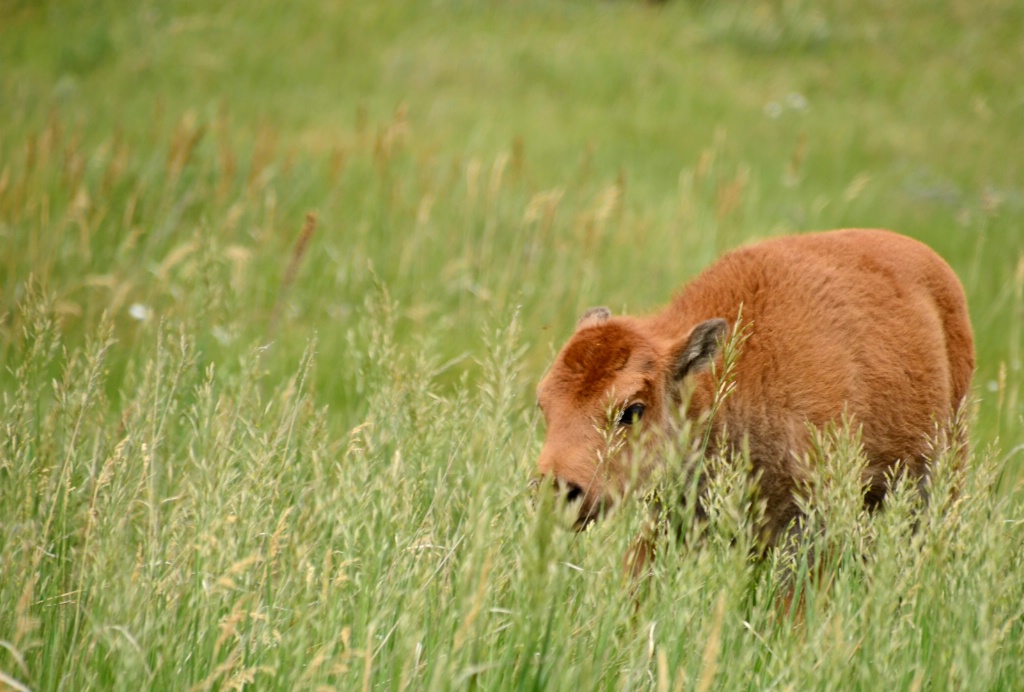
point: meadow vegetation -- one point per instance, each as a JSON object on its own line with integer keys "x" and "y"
{"x": 277, "y": 281}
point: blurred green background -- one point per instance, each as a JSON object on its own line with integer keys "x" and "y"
{"x": 486, "y": 155}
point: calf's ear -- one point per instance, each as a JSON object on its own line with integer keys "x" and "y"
{"x": 699, "y": 349}
{"x": 593, "y": 317}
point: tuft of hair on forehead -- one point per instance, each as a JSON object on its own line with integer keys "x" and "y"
{"x": 593, "y": 357}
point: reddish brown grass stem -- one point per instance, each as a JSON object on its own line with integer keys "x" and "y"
{"x": 301, "y": 244}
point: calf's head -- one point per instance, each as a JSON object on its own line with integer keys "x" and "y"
{"x": 615, "y": 380}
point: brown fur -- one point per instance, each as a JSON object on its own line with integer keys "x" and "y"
{"x": 863, "y": 322}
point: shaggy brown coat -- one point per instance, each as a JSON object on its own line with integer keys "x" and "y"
{"x": 863, "y": 322}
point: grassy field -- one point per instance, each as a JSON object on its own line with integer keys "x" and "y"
{"x": 277, "y": 282}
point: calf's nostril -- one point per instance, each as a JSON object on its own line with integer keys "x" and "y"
{"x": 569, "y": 491}
{"x": 573, "y": 492}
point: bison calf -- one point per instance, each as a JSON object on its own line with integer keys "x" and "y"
{"x": 863, "y": 323}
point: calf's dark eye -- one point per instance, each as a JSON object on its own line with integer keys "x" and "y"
{"x": 632, "y": 414}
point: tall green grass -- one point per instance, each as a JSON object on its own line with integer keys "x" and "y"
{"x": 209, "y": 530}
{"x": 270, "y": 334}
